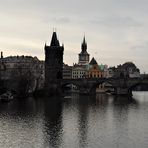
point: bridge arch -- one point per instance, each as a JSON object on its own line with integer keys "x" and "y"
{"x": 87, "y": 85}
{"x": 103, "y": 86}
{"x": 141, "y": 84}
{"x": 120, "y": 86}
{"x": 73, "y": 86}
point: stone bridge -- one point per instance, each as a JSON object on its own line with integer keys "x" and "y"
{"x": 122, "y": 86}
{"x": 83, "y": 84}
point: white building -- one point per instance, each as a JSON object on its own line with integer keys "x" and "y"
{"x": 78, "y": 71}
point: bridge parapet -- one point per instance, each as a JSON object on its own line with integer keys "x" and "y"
{"x": 83, "y": 81}
{"x": 121, "y": 85}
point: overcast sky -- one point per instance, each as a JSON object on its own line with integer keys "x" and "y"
{"x": 116, "y": 30}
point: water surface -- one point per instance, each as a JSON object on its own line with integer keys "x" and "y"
{"x": 75, "y": 122}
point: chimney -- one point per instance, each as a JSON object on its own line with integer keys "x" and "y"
{"x": 1, "y": 55}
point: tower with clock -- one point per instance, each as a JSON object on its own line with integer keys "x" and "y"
{"x": 83, "y": 56}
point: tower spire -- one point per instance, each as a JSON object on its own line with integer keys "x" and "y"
{"x": 84, "y": 45}
{"x": 84, "y": 42}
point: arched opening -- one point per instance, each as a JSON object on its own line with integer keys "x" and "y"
{"x": 70, "y": 88}
{"x": 103, "y": 87}
{"x": 98, "y": 88}
{"x": 139, "y": 87}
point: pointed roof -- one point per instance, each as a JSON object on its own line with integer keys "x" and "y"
{"x": 84, "y": 42}
{"x": 93, "y": 61}
{"x": 84, "y": 45}
{"x": 54, "y": 40}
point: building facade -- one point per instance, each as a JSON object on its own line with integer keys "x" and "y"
{"x": 13, "y": 68}
{"x": 67, "y": 71}
{"x": 97, "y": 71}
{"x": 78, "y": 71}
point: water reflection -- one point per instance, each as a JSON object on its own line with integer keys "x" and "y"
{"x": 121, "y": 110}
{"x": 83, "y": 111}
{"x": 19, "y": 122}
{"x": 75, "y": 121}
{"x": 52, "y": 122}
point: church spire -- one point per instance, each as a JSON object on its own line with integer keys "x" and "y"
{"x": 84, "y": 45}
{"x": 54, "y": 40}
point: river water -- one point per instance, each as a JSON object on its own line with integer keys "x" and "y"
{"x": 75, "y": 121}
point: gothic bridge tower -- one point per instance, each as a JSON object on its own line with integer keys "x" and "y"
{"x": 53, "y": 66}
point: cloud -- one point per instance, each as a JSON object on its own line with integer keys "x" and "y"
{"x": 115, "y": 29}
{"x": 116, "y": 22}
{"x": 61, "y": 20}
{"x": 140, "y": 50}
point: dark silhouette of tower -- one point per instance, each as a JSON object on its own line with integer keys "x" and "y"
{"x": 83, "y": 56}
{"x": 53, "y": 65}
